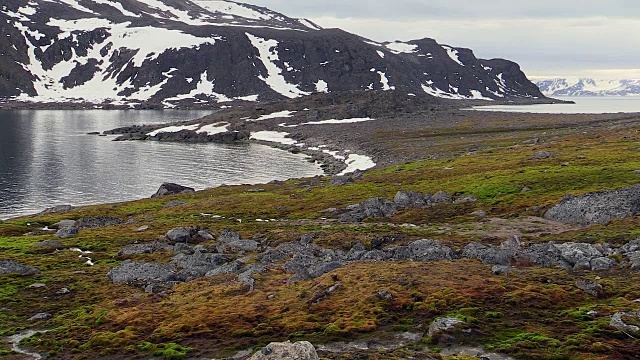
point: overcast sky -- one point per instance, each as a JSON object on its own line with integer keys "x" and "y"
{"x": 597, "y": 38}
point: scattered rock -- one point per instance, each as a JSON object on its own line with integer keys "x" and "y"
{"x": 302, "y": 350}
{"x": 488, "y": 254}
{"x": 598, "y": 207}
{"x": 37, "y": 286}
{"x": 323, "y": 294}
{"x": 385, "y": 295}
{"x": 590, "y": 287}
{"x": 443, "y": 324}
{"x": 63, "y": 291}
{"x": 40, "y": 316}
{"x": 229, "y": 235}
{"x": 60, "y": 209}
{"x": 65, "y": 223}
{"x": 479, "y": 213}
{"x": 172, "y": 189}
{"x": 12, "y": 267}
{"x": 540, "y": 155}
{"x": 174, "y": 203}
{"x": 204, "y": 235}
{"x": 465, "y": 199}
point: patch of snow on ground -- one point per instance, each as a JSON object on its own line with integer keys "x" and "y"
{"x": 174, "y": 129}
{"x": 402, "y": 48}
{"x": 204, "y": 87}
{"x": 357, "y": 162}
{"x": 268, "y": 50}
{"x": 372, "y": 43}
{"x": 213, "y": 129}
{"x": 273, "y": 136}
{"x": 333, "y": 121}
{"x": 434, "y": 91}
{"x": 322, "y": 86}
{"x": 380, "y": 53}
{"x": 477, "y": 95}
{"x": 275, "y": 115}
{"x": 385, "y": 82}
{"x": 453, "y": 54}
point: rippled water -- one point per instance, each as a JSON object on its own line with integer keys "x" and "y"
{"x": 46, "y": 159}
{"x": 583, "y": 105}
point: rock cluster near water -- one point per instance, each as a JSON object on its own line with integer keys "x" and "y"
{"x": 598, "y": 207}
{"x": 167, "y": 189}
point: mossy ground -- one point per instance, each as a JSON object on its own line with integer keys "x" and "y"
{"x": 537, "y": 315}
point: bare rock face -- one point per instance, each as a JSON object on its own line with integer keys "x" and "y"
{"x": 598, "y": 207}
{"x": 171, "y": 189}
{"x": 302, "y": 350}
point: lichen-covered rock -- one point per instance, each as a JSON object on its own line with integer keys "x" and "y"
{"x": 618, "y": 323}
{"x": 598, "y": 207}
{"x": 144, "y": 248}
{"x": 180, "y": 235}
{"x": 302, "y": 350}
{"x": 410, "y": 199}
{"x": 429, "y": 250}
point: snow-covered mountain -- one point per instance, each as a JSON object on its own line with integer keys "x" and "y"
{"x": 588, "y": 87}
{"x": 181, "y": 52}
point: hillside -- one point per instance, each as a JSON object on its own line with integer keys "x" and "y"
{"x": 170, "y": 53}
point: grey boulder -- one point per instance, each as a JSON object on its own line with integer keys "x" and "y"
{"x": 142, "y": 274}
{"x": 410, "y": 199}
{"x": 598, "y": 207}
{"x": 443, "y": 324}
{"x": 12, "y": 267}
{"x": 180, "y": 235}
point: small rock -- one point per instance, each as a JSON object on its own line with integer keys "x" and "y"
{"x": 67, "y": 232}
{"x": 63, "y": 291}
{"x": 171, "y": 189}
{"x": 49, "y": 244}
{"x": 593, "y": 313}
{"x": 142, "y": 228}
{"x": 465, "y": 199}
{"x": 441, "y": 197}
{"x": 443, "y": 324}
{"x": 504, "y": 270}
{"x": 37, "y": 286}
{"x": 590, "y": 287}
{"x": 385, "y": 295}
{"x": 479, "y": 213}
{"x": 40, "y": 316}
{"x": 338, "y": 180}
{"x": 540, "y": 155}
{"x": 174, "y": 203}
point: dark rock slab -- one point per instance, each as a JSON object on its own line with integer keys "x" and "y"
{"x": 172, "y": 189}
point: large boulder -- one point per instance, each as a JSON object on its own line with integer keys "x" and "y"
{"x": 180, "y": 235}
{"x": 378, "y": 207}
{"x": 67, "y": 232}
{"x": 172, "y": 189}
{"x": 443, "y": 324}
{"x": 488, "y": 254}
{"x": 598, "y": 207}
{"x": 302, "y": 350}
{"x": 12, "y": 267}
{"x": 430, "y": 250}
{"x": 142, "y": 274}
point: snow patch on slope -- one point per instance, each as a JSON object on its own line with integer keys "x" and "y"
{"x": 273, "y": 136}
{"x": 174, "y": 129}
{"x": 401, "y": 48}
{"x": 268, "y": 55}
{"x": 453, "y": 54}
{"x": 357, "y": 162}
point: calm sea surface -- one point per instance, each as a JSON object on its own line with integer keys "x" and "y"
{"x": 583, "y": 105}
{"x": 46, "y": 159}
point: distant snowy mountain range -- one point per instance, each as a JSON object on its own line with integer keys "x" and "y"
{"x": 588, "y": 87}
{"x": 178, "y": 53}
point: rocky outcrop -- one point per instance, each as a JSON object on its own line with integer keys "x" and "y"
{"x": 618, "y": 322}
{"x": 11, "y": 267}
{"x": 598, "y": 207}
{"x": 144, "y": 248}
{"x": 302, "y": 350}
{"x": 140, "y": 274}
{"x": 172, "y": 189}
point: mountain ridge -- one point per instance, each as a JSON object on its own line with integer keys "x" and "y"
{"x": 173, "y": 53}
{"x": 588, "y": 87}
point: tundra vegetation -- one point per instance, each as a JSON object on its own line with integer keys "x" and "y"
{"x": 530, "y": 313}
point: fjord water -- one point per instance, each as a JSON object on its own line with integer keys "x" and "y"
{"x": 583, "y": 105}
{"x": 47, "y": 159}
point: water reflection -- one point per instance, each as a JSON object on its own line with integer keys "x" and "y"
{"x": 47, "y": 160}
